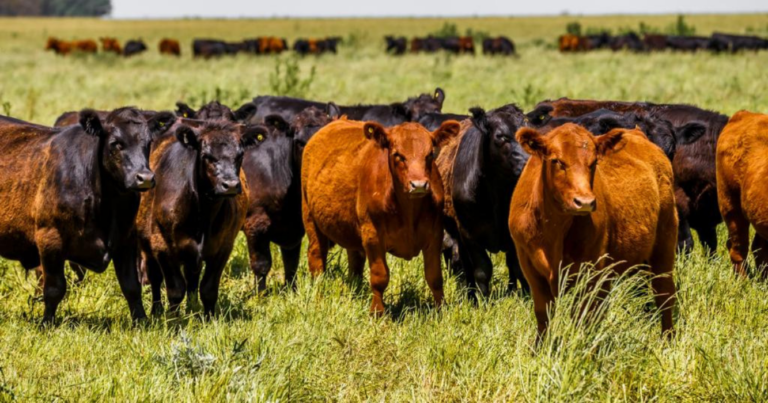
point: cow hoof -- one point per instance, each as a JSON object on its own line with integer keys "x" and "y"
{"x": 157, "y": 309}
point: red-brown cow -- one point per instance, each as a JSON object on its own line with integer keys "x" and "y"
{"x": 567, "y": 210}
{"x": 741, "y": 186}
{"x": 169, "y": 47}
{"x": 375, "y": 191}
{"x": 111, "y": 45}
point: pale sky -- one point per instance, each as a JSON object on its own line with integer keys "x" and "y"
{"x": 358, "y": 8}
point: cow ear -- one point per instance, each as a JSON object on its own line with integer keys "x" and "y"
{"x": 606, "y": 143}
{"x": 479, "y": 119}
{"x": 160, "y": 123}
{"x": 690, "y": 133}
{"x": 374, "y": 131}
{"x": 332, "y": 110}
{"x": 245, "y": 112}
{"x": 277, "y": 122}
{"x": 253, "y": 135}
{"x": 532, "y": 141}
{"x": 187, "y": 137}
{"x": 607, "y": 124}
{"x": 185, "y": 111}
{"x": 89, "y": 120}
{"x": 439, "y": 95}
{"x": 448, "y": 130}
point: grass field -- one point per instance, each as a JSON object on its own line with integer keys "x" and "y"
{"x": 319, "y": 343}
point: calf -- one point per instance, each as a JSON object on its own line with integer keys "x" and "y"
{"x": 480, "y": 169}
{"x": 169, "y": 47}
{"x": 696, "y": 132}
{"x": 79, "y": 197}
{"x": 197, "y": 209}
{"x": 375, "y": 191}
{"x": 581, "y": 197}
{"x": 134, "y": 47}
{"x": 111, "y": 45}
{"x": 741, "y": 190}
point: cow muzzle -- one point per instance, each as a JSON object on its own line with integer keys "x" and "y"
{"x": 418, "y": 189}
{"x": 583, "y": 205}
{"x": 229, "y": 188}
{"x": 144, "y": 181}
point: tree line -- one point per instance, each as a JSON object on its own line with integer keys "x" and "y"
{"x": 61, "y": 8}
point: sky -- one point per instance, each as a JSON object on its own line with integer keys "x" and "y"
{"x": 385, "y": 8}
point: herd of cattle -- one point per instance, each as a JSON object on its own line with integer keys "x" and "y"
{"x": 717, "y": 42}
{"x": 456, "y": 45}
{"x": 162, "y": 194}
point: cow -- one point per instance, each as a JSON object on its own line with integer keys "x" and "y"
{"x": 429, "y": 44}
{"x": 79, "y": 199}
{"x": 396, "y": 45}
{"x": 316, "y": 46}
{"x": 572, "y": 43}
{"x": 598, "y": 41}
{"x": 696, "y": 133}
{"x": 630, "y": 41}
{"x": 688, "y": 43}
{"x": 134, "y": 47}
{"x": 479, "y": 169}
{"x": 266, "y": 45}
{"x": 736, "y": 43}
{"x": 655, "y": 42}
{"x": 741, "y": 190}
{"x": 388, "y": 115}
{"x": 111, "y": 45}
{"x": 73, "y": 117}
{"x": 582, "y": 197}
{"x": 214, "y": 110}
{"x": 387, "y": 198}
{"x": 64, "y": 47}
{"x": 433, "y": 120}
{"x": 208, "y": 48}
{"x": 466, "y": 45}
{"x": 499, "y": 46}
{"x": 196, "y": 210}
{"x": 169, "y": 47}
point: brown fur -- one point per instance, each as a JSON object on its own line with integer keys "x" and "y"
{"x": 66, "y": 47}
{"x": 572, "y": 43}
{"x": 634, "y": 220}
{"x": 169, "y": 47}
{"x": 357, "y": 191}
{"x": 742, "y": 169}
{"x": 111, "y": 45}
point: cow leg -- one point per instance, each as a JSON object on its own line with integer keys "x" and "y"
{"x": 481, "y": 267}
{"x": 291, "y": 257}
{"x": 738, "y": 239}
{"x": 192, "y": 269}
{"x": 317, "y": 251}
{"x": 515, "y": 273}
{"x": 54, "y": 284}
{"x": 684, "y": 237}
{"x": 451, "y": 254}
{"x": 542, "y": 298}
{"x": 433, "y": 271}
{"x": 377, "y": 261}
{"x": 708, "y": 238}
{"x": 760, "y": 252}
{"x": 125, "y": 261}
{"x": 175, "y": 284}
{"x": 467, "y": 274}
{"x": 209, "y": 288}
{"x": 155, "y": 277}
{"x": 662, "y": 264}
{"x": 261, "y": 261}
{"x": 356, "y": 261}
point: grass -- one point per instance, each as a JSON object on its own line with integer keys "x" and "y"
{"x": 319, "y": 343}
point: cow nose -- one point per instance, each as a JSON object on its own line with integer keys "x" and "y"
{"x": 145, "y": 180}
{"x": 586, "y": 204}
{"x": 419, "y": 188}
{"x": 232, "y": 187}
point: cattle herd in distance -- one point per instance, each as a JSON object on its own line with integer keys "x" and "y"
{"x": 717, "y": 42}
{"x": 162, "y": 195}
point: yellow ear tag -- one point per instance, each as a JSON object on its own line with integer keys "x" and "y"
{"x": 260, "y": 137}
{"x": 162, "y": 124}
{"x": 185, "y": 114}
{"x": 370, "y": 130}
{"x": 437, "y": 95}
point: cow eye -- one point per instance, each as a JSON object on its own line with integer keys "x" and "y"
{"x": 399, "y": 157}
{"x": 117, "y": 146}
{"x": 209, "y": 158}
{"x": 556, "y": 162}
{"x": 505, "y": 139}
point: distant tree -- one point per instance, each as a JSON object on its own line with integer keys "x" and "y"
{"x": 681, "y": 27}
{"x": 19, "y": 7}
{"x": 62, "y": 8}
{"x": 573, "y": 28}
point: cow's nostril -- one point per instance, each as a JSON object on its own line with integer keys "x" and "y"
{"x": 577, "y": 203}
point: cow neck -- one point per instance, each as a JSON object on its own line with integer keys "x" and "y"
{"x": 208, "y": 206}
{"x": 408, "y": 210}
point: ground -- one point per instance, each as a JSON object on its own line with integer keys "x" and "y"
{"x": 319, "y": 343}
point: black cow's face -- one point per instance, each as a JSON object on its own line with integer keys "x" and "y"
{"x": 423, "y": 104}
{"x": 125, "y": 139}
{"x": 307, "y": 123}
{"x": 220, "y": 148}
{"x": 540, "y": 116}
{"x": 500, "y": 126}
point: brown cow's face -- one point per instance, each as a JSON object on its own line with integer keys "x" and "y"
{"x": 52, "y": 44}
{"x": 411, "y": 152}
{"x": 569, "y": 156}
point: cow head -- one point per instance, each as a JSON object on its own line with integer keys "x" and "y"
{"x": 425, "y": 103}
{"x": 124, "y": 139}
{"x": 658, "y": 131}
{"x": 540, "y": 116}
{"x": 52, "y": 44}
{"x": 569, "y": 155}
{"x": 499, "y": 127}
{"x": 690, "y": 132}
{"x": 307, "y": 122}
{"x": 411, "y": 152}
{"x": 220, "y": 147}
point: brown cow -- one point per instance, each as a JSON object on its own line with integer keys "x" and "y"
{"x": 741, "y": 186}
{"x": 111, "y": 45}
{"x": 64, "y": 47}
{"x": 572, "y": 43}
{"x": 567, "y": 210}
{"x": 466, "y": 45}
{"x": 375, "y": 191}
{"x": 169, "y": 47}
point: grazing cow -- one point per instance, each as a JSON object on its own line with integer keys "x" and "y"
{"x": 79, "y": 199}
{"x": 64, "y": 48}
{"x": 208, "y": 48}
{"x": 266, "y": 45}
{"x": 598, "y": 41}
{"x": 696, "y": 133}
{"x": 466, "y": 45}
{"x": 498, "y": 46}
{"x": 388, "y": 115}
{"x": 741, "y": 190}
{"x": 654, "y": 42}
{"x": 196, "y": 211}
{"x": 688, "y": 43}
{"x": 134, "y": 47}
{"x": 572, "y": 43}
{"x": 169, "y": 47}
{"x": 735, "y": 43}
{"x": 480, "y": 169}
{"x": 630, "y": 41}
{"x": 433, "y": 120}
{"x": 316, "y": 46}
{"x": 429, "y": 44}
{"x": 111, "y": 45}
{"x": 396, "y": 46}
{"x": 387, "y": 198}
{"x": 214, "y": 110}
{"x": 568, "y": 209}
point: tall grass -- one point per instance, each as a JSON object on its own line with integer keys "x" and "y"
{"x": 319, "y": 343}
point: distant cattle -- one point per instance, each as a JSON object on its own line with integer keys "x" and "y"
{"x": 79, "y": 199}
{"x": 736, "y": 43}
{"x": 111, "y": 45}
{"x": 741, "y": 188}
{"x": 169, "y": 47}
{"x": 388, "y": 115}
{"x": 629, "y": 41}
{"x": 498, "y": 46}
{"x": 572, "y": 43}
{"x": 66, "y": 47}
{"x": 387, "y": 197}
{"x": 606, "y": 200}
{"x": 316, "y": 46}
{"x": 429, "y": 44}
{"x": 655, "y": 42}
{"x": 696, "y": 133}
{"x": 480, "y": 169}
{"x": 266, "y": 45}
{"x": 134, "y": 47}
{"x": 396, "y": 45}
{"x": 214, "y": 110}
{"x": 208, "y": 48}
{"x": 598, "y": 41}
{"x": 196, "y": 211}
{"x": 688, "y": 43}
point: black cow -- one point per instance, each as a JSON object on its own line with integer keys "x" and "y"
{"x": 396, "y": 46}
{"x": 214, "y": 110}
{"x": 134, "y": 47}
{"x": 598, "y": 41}
{"x": 688, "y": 43}
{"x": 484, "y": 168}
{"x": 498, "y": 46}
{"x": 736, "y": 43}
{"x": 208, "y": 48}
{"x": 433, "y": 120}
{"x": 78, "y": 197}
{"x": 628, "y": 41}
